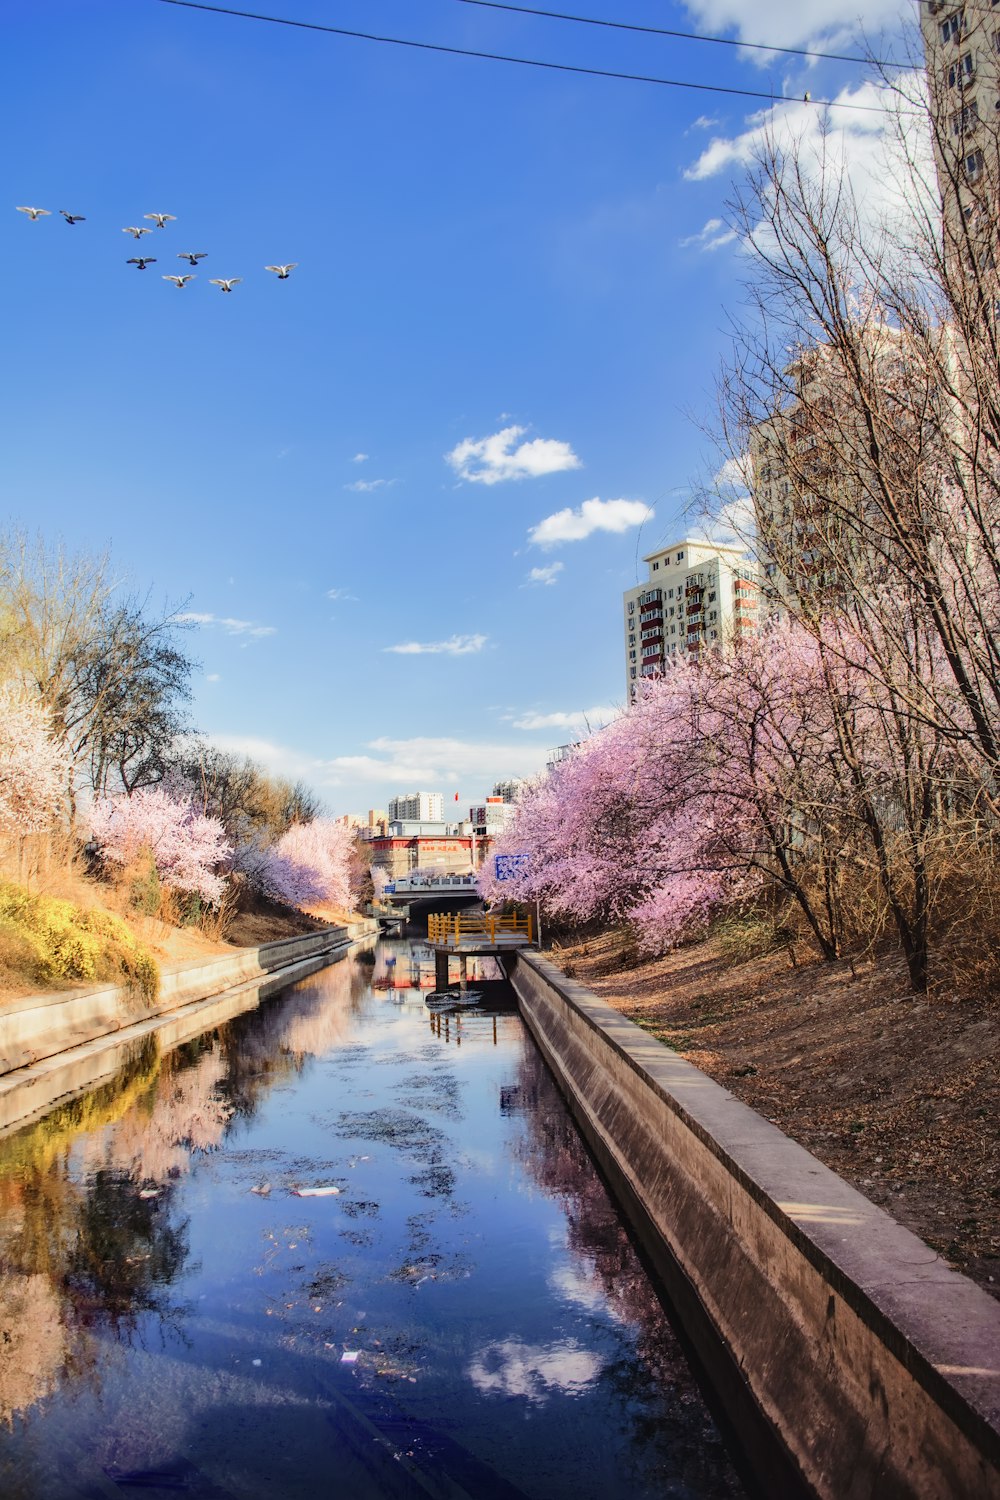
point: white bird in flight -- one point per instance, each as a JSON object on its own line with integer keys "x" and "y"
{"x": 73, "y": 218}
{"x": 134, "y": 229}
{"x": 226, "y": 286}
{"x": 282, "y": 271}
{"x": 192, "y": 256}
{"x": 161, "y": 219}
{"x": 142, "y": 261}
{"x": 34, "y": 213}
{"x": 180, "y": 281}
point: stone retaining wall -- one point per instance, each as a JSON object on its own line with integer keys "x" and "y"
{"x": 41, "y": 1026}
{"x": 852, "y": 1362}
{"x": 32, "y": 1091}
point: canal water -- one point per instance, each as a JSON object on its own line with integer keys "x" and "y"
{"x": 339, "y": 1246}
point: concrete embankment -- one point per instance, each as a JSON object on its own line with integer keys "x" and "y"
{"x": 54, "y": 1045}
{"x": 852, "y": 1362}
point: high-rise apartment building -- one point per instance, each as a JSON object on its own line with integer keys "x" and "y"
{"x": 699, "y": 596}
{"x": 417, "y": 807}
{"x": 962, "y": 49}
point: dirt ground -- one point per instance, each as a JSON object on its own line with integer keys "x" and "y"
{"x": 898, "y": 1094}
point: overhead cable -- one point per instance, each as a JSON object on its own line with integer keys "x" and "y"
{"x": 528, "y": 62}
{"x": 686, "y": 36}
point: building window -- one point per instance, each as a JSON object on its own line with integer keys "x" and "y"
{"x": 953, "y": 26}
{"x": 631, "y": 671}
{"x": 680, "y": 557}
{"x": 656, "y": 567}
{"x": 631, "y": 606}
{"x": 961, "y": 72}
{"x": 974, "y": 165}
{"x": 963, "y": 120}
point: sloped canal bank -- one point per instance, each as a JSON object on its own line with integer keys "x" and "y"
{"x": 464, "y": 1316}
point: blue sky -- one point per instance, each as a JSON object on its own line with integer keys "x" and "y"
{"x": 524, "y": 270}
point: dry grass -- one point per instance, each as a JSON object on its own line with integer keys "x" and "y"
{"x": 899, "y": 1094}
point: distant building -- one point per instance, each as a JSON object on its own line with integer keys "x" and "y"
{"x": 700, "y": 595}
{"x": 419, "y": 846}
{"x": 560, "y": 753}
{"x": 508, "y": 791}
{"x": 417, "y": 807}
{"x": 491, "y": 817}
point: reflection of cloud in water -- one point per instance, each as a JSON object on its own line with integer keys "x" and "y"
{"x": 33, "y": 1340}
{"x": 534, "y": 1371}
{"x": 581, "y": 1285}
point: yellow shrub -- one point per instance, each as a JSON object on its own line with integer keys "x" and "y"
{"x": 69, "y": 943}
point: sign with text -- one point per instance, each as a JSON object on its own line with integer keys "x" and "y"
{"x": 510, "y": 866}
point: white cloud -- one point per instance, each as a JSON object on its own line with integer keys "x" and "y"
{"x": 593, "y": 515}
{"x": 420, "y": 761}
{"x": 785, "y": 25}
{"x": 546, "y": 576}
{"x": 582, "y": 718}
{"x": 533, "y": 1371}
{"x": 713, "y": 236}
{"x": 341, "y": 595}
{"x": 704, "y": 122}
{"x": 367, "y": 486}
{"x": 213, "y": 677}
{"x": 456, "y": 645}
{"x": 493, "y": 459}
{"x": 226, "y": 623}
{"x": 861, "y": 146}
{"x": 360, "y": 458}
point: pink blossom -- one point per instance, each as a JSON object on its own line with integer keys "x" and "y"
{"x": 186, "y": 846}
{"x": 311, "y": 863}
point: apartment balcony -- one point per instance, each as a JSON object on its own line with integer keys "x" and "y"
{"x": 653, "y": 617}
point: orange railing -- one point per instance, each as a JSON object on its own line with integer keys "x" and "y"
{"x": 452, "y": 927}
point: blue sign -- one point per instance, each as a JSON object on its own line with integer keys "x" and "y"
{"x": 510, "y": 866}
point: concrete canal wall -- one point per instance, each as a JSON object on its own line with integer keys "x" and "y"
{"x": 40, "y": 1026}
{"x": 852, "y": 1362}
{"x": 197, "y": 1001}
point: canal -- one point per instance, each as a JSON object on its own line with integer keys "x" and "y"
{"x": 337, "y": 1246}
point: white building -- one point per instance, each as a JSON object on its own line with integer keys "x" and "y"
{"x": 699, "y": 595}
{"x": 417, "y": 807}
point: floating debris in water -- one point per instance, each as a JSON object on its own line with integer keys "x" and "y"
{"x": 316, "y": 1192}
{"x": 262, "y": 1189}
{"x": 350, "y": 1356}
{"x": 149, "y": 1192}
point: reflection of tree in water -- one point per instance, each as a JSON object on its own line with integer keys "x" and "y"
{"x": 88, "y": 1236}
{"x": 666, "y": 1410}
{"x": 265, "y": 1046}
{"x": 126, "y": 1255}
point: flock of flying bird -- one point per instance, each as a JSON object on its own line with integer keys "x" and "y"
{"x": 142, "y": 261}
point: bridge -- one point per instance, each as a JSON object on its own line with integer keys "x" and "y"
{"x": 475, "y": 934}
{"x": 417, "y": 886}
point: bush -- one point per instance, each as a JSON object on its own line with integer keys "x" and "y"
{"x": 742, "y": 936}
{"x": 47, "y": 939}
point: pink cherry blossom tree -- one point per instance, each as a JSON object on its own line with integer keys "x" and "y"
{"x": 311, "y": 864}
{"x": 187, "y": 848}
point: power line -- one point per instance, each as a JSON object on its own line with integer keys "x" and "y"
{"x": 525, "y": 62}
{"x": 686, "y": 36}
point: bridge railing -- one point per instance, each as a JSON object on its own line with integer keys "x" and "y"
{"x": 452, "y": 927}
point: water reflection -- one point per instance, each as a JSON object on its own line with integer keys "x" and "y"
{"x": 91, "y": 1238}
{"x": 453, "y": 1309}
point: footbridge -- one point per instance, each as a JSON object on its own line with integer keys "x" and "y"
{"x": 452, "y": 889}
{"x": 477, "y": 934}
